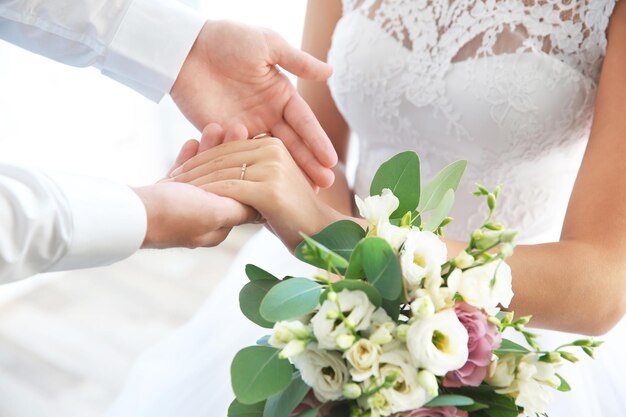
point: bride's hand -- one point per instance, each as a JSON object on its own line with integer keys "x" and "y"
{"x": 262, "y": 174}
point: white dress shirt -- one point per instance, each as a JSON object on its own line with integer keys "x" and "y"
{"x": 52, "y": 222}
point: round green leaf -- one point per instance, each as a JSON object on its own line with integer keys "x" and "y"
{"x": 340, "y": 237}
{"x": 317, "y": 254}
{"x": 257, "y": 373}
{"x": 255, "y": 273}
{"x": 440, "y": 212}
{"x": 355, "y": 285}
{"x": 250, "y": 299}
{"x": 291, "y": 299}
{"x": 283, "y": 404}
{"x": 381, "y": 267}
{"x": 238, "y": 409}
{"x": 447, "y": 178}
{"x": 400, "y": 174}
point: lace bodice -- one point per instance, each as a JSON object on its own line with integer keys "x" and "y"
{"x": 508, "y": 85}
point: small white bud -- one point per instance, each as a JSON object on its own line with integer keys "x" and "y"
{"x": 332, "y": 296}
{"x": 402, "y": 331}
{"x": 428, "y": 381}
{"x": 381, "y": 336}
{"x": 345, "y": 341}
{"x": 352, "y": 391}
{"x": 508, "y": 236}
{"x": 332, "y": 314}
{"x": 349, "y": 323}
{"x": 422, "y": 308}
{"x": 464, "y": 260}
{"x": 293, "y": 348}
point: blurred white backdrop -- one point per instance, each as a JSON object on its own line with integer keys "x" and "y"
{"x": 67, "y": 340}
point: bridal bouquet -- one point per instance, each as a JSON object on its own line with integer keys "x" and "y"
{"x": 390, "y": 326}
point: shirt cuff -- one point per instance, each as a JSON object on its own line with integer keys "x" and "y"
{"x": 109, "y": 222}
{"x": 151, "y": 45}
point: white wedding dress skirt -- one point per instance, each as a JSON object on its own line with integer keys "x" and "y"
{"x": 508, "y": 86}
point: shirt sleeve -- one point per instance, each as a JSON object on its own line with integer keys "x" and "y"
{"x": 140, "y": 43}
{"x": 60, "y": 222}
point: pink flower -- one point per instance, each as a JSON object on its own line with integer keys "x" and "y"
{"x": 434, "y": 412}
{"x": 484, "y": 338}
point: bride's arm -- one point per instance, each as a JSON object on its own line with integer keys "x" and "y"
{"x": 321, "y": 19}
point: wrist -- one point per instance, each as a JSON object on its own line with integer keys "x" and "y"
{"x": 146, "y": 196}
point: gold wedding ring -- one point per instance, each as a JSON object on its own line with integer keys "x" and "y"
{"x": 243, "y": 171}
{"x": 262, "y": 135}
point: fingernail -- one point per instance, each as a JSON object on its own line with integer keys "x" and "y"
{"x": 176, "y": 172}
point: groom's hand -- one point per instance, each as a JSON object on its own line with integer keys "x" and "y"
{"x": 231, "y": 76}
{"x": 182, "y": 215}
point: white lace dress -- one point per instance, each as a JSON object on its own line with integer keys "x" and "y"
{"x": 508, "y": 85}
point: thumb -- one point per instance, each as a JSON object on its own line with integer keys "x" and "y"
{"x": 295, "y": 61}
{"x": 188, "y": 151}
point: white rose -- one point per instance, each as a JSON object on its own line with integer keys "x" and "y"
{"x": 364, "y": 356}
{"x": 323, "y": 371}
{"x": 407, "y": 393}
{"x": 376, "y": 209}
{"x": 286, "y": 331}
{"x": 484, "y": 286}
{"x": 355, "y": 306}
{"x": 502, "y": 371}
{"x": 438, "y": 343}
{"x": 421, "y": 259}
{"x": 395, "y": 235}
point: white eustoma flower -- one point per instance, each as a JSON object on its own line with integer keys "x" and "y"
{"x": 381, "y": 328}
{"x": 438, "y": 343}
{"x": 364, "y": 358}
{"x": 534, "y": 381}
{"x": 484, "y": 286}
{"x": 502, "y": 371}
{"x": 355, "y": 306}
{"x": 376, "y": 209}
{"x": 394, "y": 235}
{"x": 441, "y": 297}
{"x": 287, "y": 331}
{"x": 421, "y": 259}
{"x": 406, "y": 393}
{"x": 324, "y": 371}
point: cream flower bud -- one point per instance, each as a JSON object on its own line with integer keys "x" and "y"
{"x": 293, "y": 348}
{"x": 501, "y": 371}
{"x": 382, "y": 335}
{"x": 464, "y": 260}
{"x": 345, "y": 341}
{"x": 352, "y": 391}
{"x": 422, "y": 308}
{"x": 286, "y": 331}
{"x": 428, "y": 381}
{"x": 402, "y": 331}
{"x": 332, "y": 296}
{"x": 364, "y": 357}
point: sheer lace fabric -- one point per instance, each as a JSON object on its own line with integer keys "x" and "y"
{"x": 508, "y": 85}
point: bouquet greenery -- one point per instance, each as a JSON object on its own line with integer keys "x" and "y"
{"x": 390, "y": 326}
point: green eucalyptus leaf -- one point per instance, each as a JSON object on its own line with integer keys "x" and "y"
{"x": 340, "y": 237}
{"x": 318, "y": 255}
{"x": 392, "y": 307}
{"x": 564, "y": 387}
{"x": 400, "y": 174}
{"x": 355, "y": 267}
{"x": 355, "y": 285}
{"x": 448, "y": 178}
{"x": 450, "y": 400}
{"x": 291, "y": 299}
{"x": 508, "y": 346}
{"x": 238, "y": 409}
{"x": 250, "y": 299}
{"x": 257, "y": 373}
{"x": 255, "y": 273}
{"x": 264, "y": 341}
{"x": 381, "y": 267}
{"x": 440, "y": 212}
{"x": 283, "y": 403}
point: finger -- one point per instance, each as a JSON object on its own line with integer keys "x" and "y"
{"x": 295, "y": 61}
{"x": 236, "y": 214}
{"x": 187, "y": 151}
{"x": 217, "y": 152}
{"x": 234, "y": 161}
{"x": 212, "y": 135}
{"x": 254, "y": 173}
{"x": 300, "y": 117}
{"x": 246, "y": 192}
{"x": 316, "y": 172}
{"x": 236, "y": 132}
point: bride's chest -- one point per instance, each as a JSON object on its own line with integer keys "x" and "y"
{"x": 482, "y": 76}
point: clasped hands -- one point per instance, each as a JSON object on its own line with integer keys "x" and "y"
{"x": 273, "y": 188}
